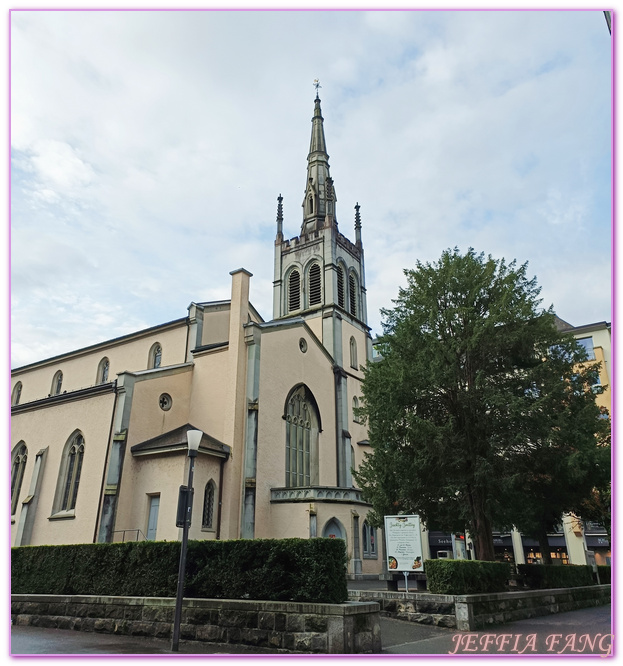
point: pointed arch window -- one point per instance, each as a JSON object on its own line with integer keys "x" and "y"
{"x": 294, "y": 291}
{"x": 369, "y": 540}
{"x": 57, "y": 383}
{"x": 340, "y": 287}
{"x": 18, "y": 466}
{"x": 302, "y": 428}
{"x": 102, "y": 371}
{"x": 207, "y": 520}
{"x": 352, "y": 294}
{"x": 69, "y": 474}
{"x": 315, "y": 285}
{"x": 353, "y": 353}
{"x": 16, "y": 394}
{"x": 155, "y": 356}
{"x": 355, "y": 408}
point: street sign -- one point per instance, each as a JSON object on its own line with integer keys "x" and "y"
{"x": 403, "y": 542}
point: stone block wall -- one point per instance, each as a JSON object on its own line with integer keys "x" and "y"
{"x": 477, "y": 611}
{"x": 293, "y": 627}
{"x": 424, "y": 608}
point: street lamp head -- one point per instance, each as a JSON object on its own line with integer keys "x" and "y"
{"x": 194, "y": 438}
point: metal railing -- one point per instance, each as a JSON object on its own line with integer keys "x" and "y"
{"x": 137, "y": 534}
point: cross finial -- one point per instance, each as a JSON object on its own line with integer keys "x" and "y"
{"x": 317, "y": 85}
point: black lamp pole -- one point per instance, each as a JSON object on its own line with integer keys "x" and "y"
{"x": 194, "y": 437}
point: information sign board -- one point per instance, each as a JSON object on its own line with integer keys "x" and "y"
{"x": 403, "y": 543}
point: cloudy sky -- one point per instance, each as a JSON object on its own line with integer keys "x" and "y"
{"x": 148, "y": 150}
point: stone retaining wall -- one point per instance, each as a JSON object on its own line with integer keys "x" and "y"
{"x": 470, "y": 612}
{"x": 424, "y": 608}
{"x": 352, "y": 627}
{"x": 476, "y": 611}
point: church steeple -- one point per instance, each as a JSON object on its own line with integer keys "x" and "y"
{"x": 319, "y": 200}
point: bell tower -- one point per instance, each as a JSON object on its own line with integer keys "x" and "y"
{"x": 320, "y": 278}
{"x": 319, "y": 274}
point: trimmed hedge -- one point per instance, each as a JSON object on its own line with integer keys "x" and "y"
{"x": 308, "y": 570}
{"x": 605, "y": 574}
{"x": 466, "y": 576}
{"x": 543, "y": 576}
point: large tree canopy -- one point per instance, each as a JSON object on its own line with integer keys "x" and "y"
{"x": 474, "y": 395}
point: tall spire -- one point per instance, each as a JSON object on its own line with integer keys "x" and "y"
{"x": 357, "y": 225}
{"x": 279, "y": 218}
{"x": 319, "y": 201}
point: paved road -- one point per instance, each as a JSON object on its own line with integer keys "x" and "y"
{"x": 577, "y": 632}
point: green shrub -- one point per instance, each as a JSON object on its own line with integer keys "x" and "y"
{"x": 604, "y": 574}
{"x": 466, "y": 576}
{"x": 309, "y": 570}
{"x": 543, "y": 576}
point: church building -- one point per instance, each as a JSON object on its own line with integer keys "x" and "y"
{"x": 99, "y": 435}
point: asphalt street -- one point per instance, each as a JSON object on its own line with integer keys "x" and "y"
{"x": 586, "y": 631}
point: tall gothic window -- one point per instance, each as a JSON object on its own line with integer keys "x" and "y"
{"x": 207, "y": 520}
{"x": 20, "y": 454}
{"x": 315, "y": 285}
{"x": 353, "y": 353}
{"x": 155, "y": 356}
{"x": 302, "y": 427}
{"x": 369, "y": 540}
{"x": 355, "y": 408}
{"x": 352, "y": 294}
{"x": 340, "y": 287}
{"x": 69, "y": 474}
{"x": 16, "y": 394}
{"x": 294, "y": 291}
{"x": 102, "y": 371}
{"x": 57, "y": 383}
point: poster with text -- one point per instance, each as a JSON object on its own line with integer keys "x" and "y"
{"x": 404, "y": 544}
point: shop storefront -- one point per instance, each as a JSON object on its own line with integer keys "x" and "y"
{"x": 558, "y": 550}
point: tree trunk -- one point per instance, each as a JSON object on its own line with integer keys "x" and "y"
{"x": 544, "y": 546}
{"x": 481, "y": 531}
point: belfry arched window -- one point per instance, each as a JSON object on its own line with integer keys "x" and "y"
{"x": 16, "y": 394}
{"x": 315, "y": 285}
{"x": 340, "y": 287}
{"x": 155, "y": 356}
{"x": 69, "y": 474}
{"x": 302, "y": 428}
{"x": 294, "y": 291}
{"x": 352, "y": 294}
{"x": 18, "y": 466}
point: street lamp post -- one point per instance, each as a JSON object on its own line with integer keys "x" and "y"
{"x": 194, "y": 438}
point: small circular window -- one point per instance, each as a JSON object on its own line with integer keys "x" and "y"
{"x": 165, "y": 401}
{"x": 303, "y": 345}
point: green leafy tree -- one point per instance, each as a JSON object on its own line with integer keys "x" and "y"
{"x": 473, "y": 380}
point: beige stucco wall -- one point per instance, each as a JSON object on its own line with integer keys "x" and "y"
{"x": 52, "y": 427}
{"x": 216, "y": 324}
{"x": 207, "y": 400}
{"x": 148, "y": 420}
{"x": 80, "y": 370}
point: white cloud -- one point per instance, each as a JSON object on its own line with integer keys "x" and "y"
{"x": 149, "y": 149}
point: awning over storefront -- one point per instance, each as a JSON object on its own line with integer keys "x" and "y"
{"x": 597, "y": 542}
{"x": 554, "y": 542}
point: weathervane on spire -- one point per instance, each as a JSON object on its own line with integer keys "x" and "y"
{"x": 317, "y": 85}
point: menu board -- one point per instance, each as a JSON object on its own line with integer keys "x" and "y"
{"x": 403, "y": 541}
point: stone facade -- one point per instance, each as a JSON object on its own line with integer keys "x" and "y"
{"x": 293, "y": 627}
